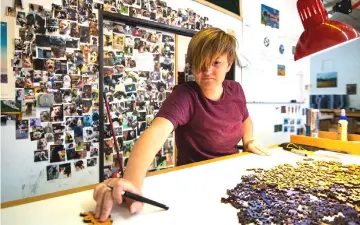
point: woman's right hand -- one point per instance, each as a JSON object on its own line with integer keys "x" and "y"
{"x": 105, "y": 198}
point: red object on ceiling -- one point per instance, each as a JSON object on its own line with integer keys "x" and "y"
{"x": 320, "y": 33}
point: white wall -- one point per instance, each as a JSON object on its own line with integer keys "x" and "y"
{"x": 260, "y": 80}
{"x": 343, "y": 59}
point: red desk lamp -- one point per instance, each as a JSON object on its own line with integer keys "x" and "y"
{"x": 320, "y": 33}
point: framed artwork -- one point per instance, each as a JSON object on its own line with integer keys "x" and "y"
{"x": 326, "y": 80}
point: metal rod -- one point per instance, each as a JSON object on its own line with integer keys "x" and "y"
{"x": 119, "y": 157}
{"x": 101, "y": 98}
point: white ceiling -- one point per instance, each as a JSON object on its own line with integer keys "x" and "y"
{"x": 352, "y": 19}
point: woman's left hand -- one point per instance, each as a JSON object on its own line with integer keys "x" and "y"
{"x": 256, "y": 148}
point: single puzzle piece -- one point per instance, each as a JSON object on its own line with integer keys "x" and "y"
{"x": 89, "y": 218}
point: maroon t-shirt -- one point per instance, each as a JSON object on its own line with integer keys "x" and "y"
{"x": 205, "y": 129}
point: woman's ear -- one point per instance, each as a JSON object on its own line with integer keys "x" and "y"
{"x": 229, "y": 67}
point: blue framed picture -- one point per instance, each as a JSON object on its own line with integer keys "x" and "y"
{"x": 270, "y": 16}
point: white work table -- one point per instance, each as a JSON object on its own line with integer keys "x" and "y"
{"x": 193, "y": 195}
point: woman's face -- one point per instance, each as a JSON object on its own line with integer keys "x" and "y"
{"x": 215, "y": 75}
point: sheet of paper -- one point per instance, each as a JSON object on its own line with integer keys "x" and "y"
{"x": 144, "y": 61}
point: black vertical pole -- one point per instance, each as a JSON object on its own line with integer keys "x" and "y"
{"x": 101, "y": 93}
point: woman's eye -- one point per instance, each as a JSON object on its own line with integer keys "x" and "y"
{"x": 217, "y": 62}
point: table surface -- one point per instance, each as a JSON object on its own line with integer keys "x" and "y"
{"x": 193, "y": 195}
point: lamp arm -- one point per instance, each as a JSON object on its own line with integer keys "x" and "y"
{"x": 344, "y": 6}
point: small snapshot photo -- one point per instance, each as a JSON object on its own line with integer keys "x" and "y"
{"x": 94, "y": 151}
{"x": 52, "y": 172}
{"x": 40, "y": 156}
{"x": 57, "y": 153}
{"x": 129, "y": 135}
{"x": 35, "y": 122}
{"x": 65, "y": 170}
{"x": 292, "y": 129}
{"x": 286, "y": 120}
{"x": 11, "y": 11}
{"x": 10, "y": 106}
{"x": 79, "y": 165}
{"x": 22, "y": 129}
{"x": 37, "y": 134}
{"x": 286, "y": 128}
{"x": 42, "y": 144}
{"x": 91, "y": 162}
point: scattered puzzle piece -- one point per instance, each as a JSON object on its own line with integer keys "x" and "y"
{"x": 308, "y": 159}
{"x": 89, "y": 218}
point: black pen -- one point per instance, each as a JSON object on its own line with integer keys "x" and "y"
{"x": 141, "y": 199}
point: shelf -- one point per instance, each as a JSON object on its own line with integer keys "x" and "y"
{"x": 327, "y": 140}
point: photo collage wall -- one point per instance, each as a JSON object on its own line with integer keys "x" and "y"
{"x": 57, "y": 80}
{"x": 139, "y": 72}
{"x": 56, "y": 88}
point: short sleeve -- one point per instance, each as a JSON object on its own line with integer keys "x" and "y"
{"x": 177, "y": 107}
{"x": 245, "y": 112}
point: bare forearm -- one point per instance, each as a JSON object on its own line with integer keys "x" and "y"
{"x": 144, "y": 152}
{"x": 248, "y": 131}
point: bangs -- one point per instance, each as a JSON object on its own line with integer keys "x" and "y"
{"x": 207, "y": 45}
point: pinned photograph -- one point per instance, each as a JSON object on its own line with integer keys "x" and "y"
{"x": 41, "y": 156}
{"x": 42, "y": 144}
{"x": 19, "y": 94}
{"x": 22, "y": 129}
{"x": 64, "y": 27}
{"x": 93, "y": 29}
{"x": 84, "y": 34}
{"x": 20, "y": 18}
{"x": 108, "y": 40}
{"x": 29, "y": 94}
{"x": 57, "y": 153}
{"x": 91, "y": 162}
{"x": 65, "y": 170}
{"x": 52, "y": 172}
{"x": 69, "y": 136}
{"x": 11, "y": 11}
{"x": 129, "y": 135}
{"x": 119, "y": 42}
{"x": 74, "y": 30}
{"x": 35, "y": 122}
{"x": 28, "y": 108}
{"x": 79, "y": 165}
{"x": 56, "y": 113}
{"x": 37, "y": 134}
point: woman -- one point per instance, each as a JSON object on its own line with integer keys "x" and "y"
{"x": 209, "y": 116}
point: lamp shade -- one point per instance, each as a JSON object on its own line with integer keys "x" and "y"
{"x": 320, "y": 33}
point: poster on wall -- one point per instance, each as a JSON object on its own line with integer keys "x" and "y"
{"x": 270, "y": 16}
{"x": 3, "y": 53}
{"x": 326, "y": 80}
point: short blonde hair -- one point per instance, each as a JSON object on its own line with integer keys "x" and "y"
{"x": 209, "y": 44}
